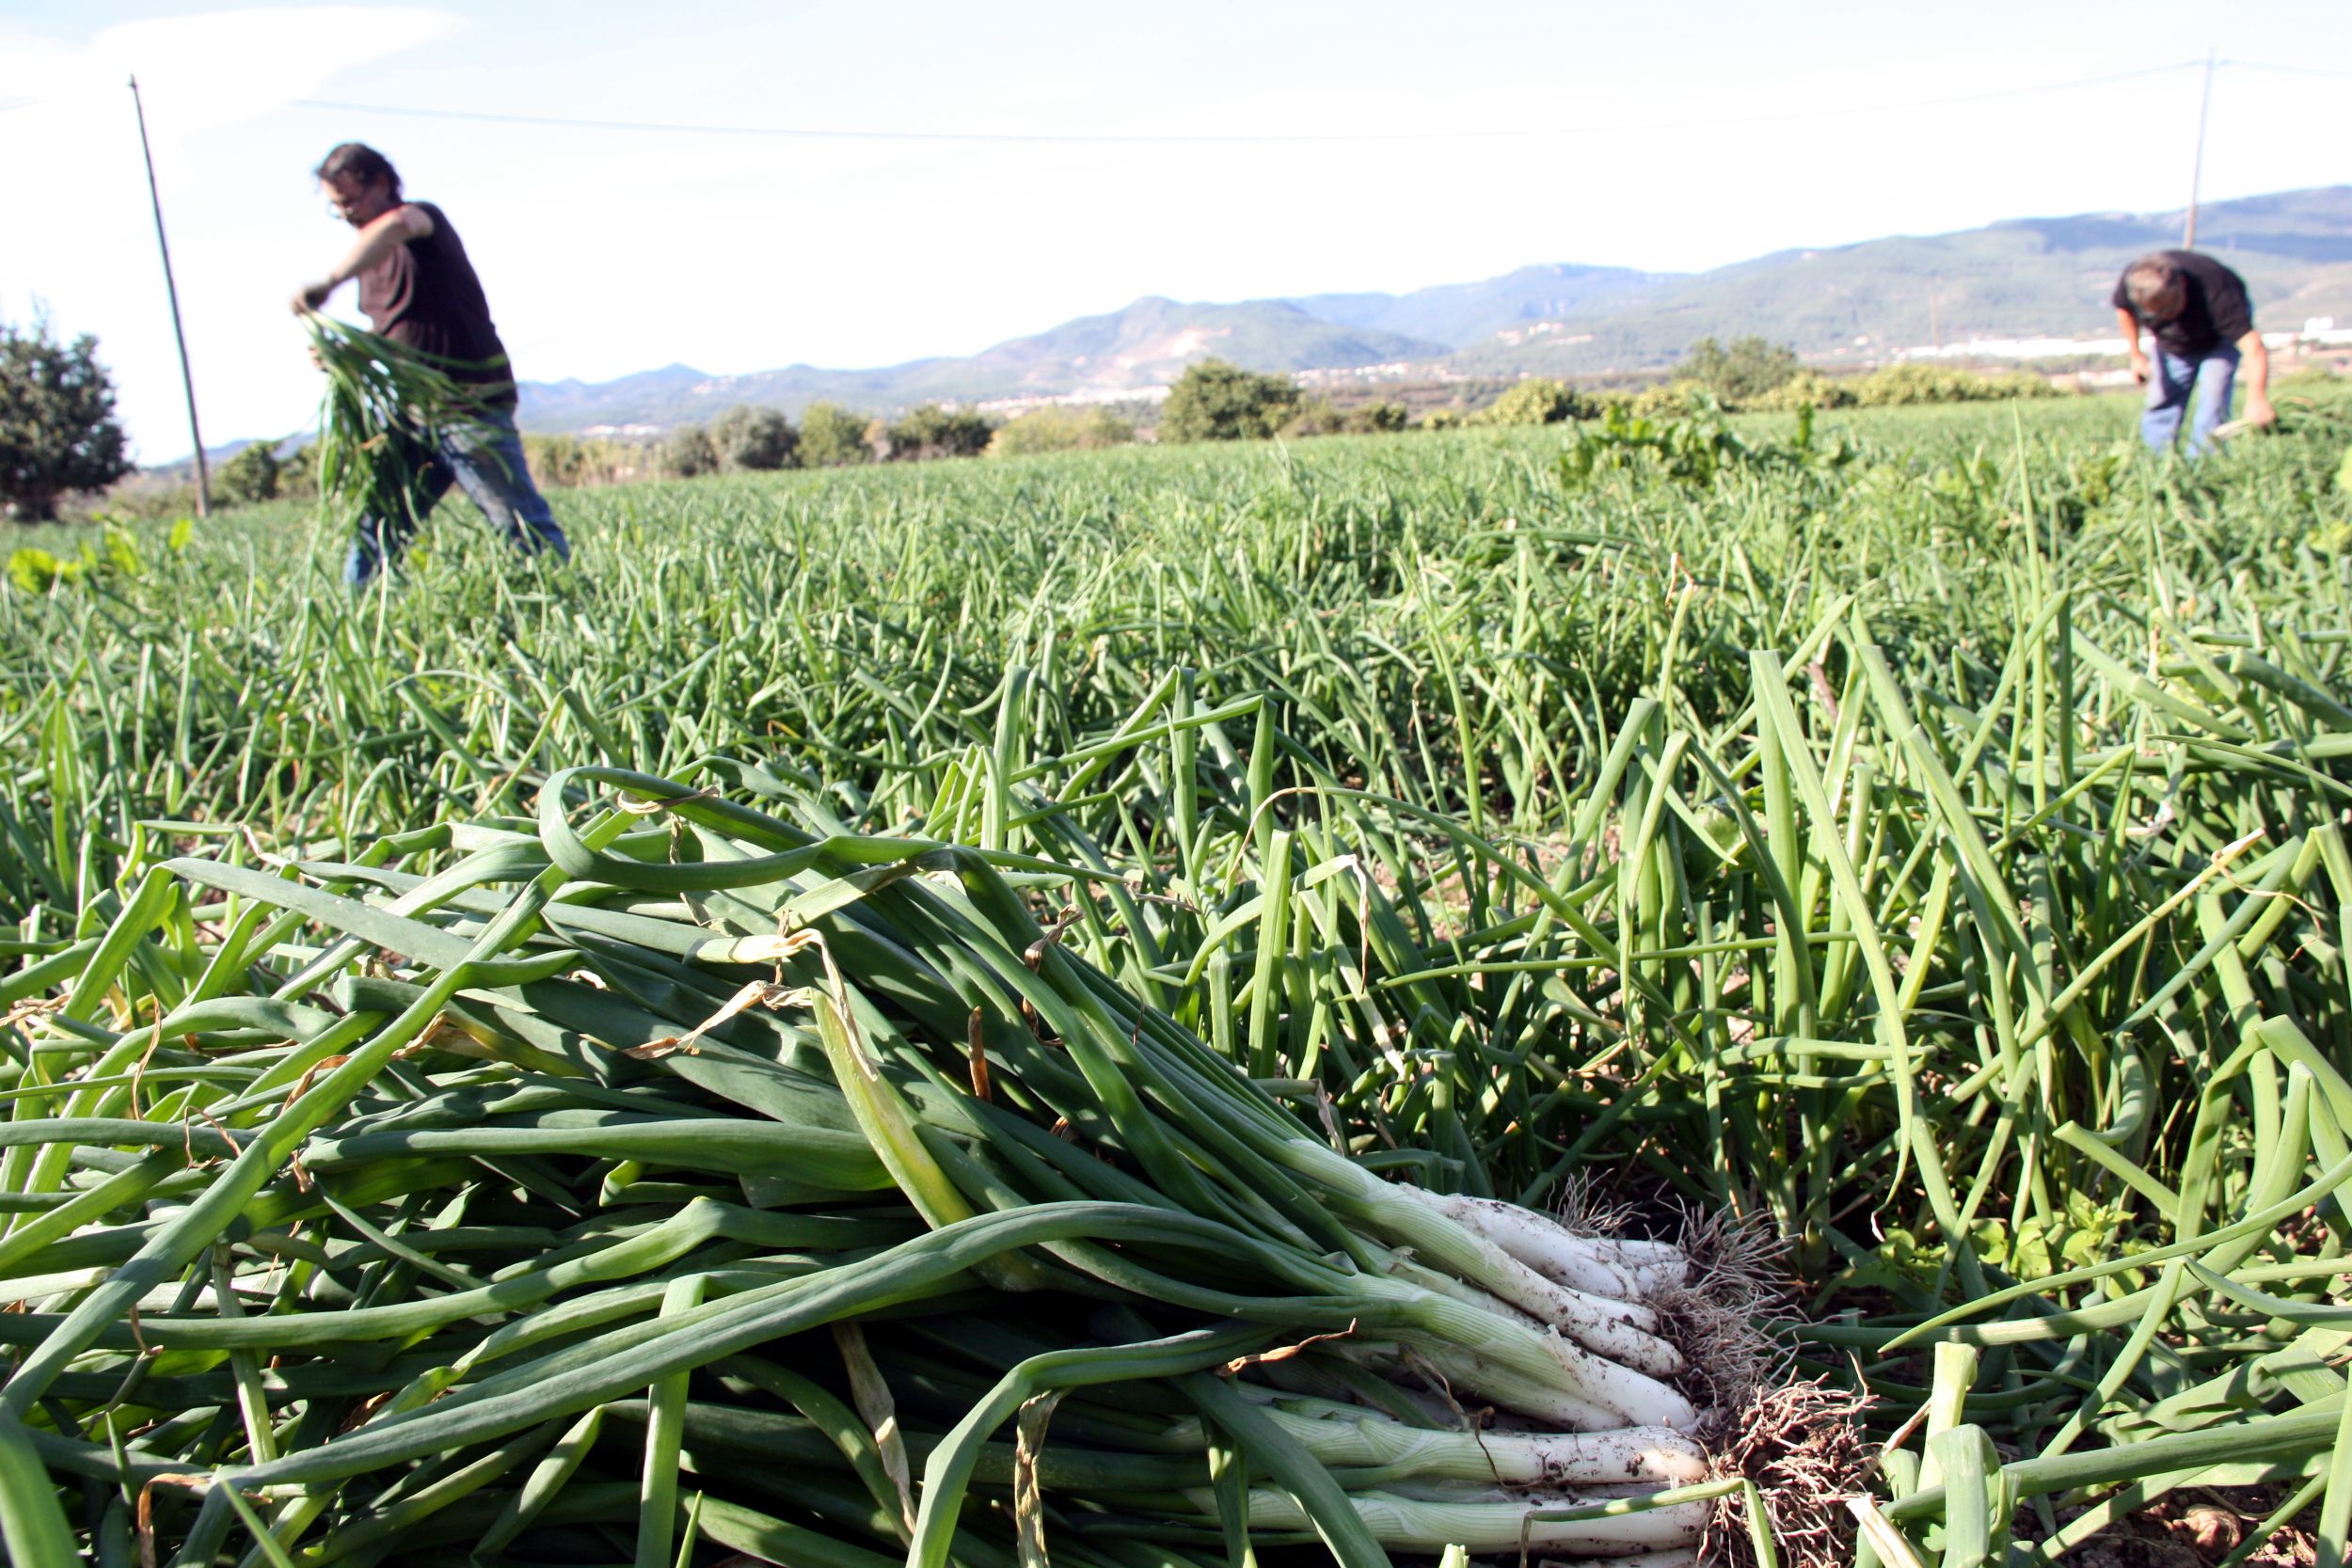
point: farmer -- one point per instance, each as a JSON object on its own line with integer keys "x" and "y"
{"x": 2198, "y": 312}
{"x": 417, "y": 289}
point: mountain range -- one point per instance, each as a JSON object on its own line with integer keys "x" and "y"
{"x": 1854, "y": 304}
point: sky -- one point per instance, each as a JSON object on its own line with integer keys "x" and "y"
{"x": 988, "y": 171}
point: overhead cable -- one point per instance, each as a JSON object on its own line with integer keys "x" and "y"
{"x": 1240, "y": 138}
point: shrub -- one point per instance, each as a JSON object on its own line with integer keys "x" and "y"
{"x": 1213, "y": 401}
{"x": 570, "y": 461}
{"x": 1443, "y": 418}
{"x": 689, "y": 451}
{"x": 755, "y": 438}
{"x": 1319, "y": 416}
{"x": 930, "y": 431}
{"x": 1056, "y": 429}
{"x": 552, "y": 459}
{"x": 1674, "y": 400}
{"x": 1898, "y": 385}
{"x": 1537, "y": 399}
{"x": 298, "y": 472}
{"x": 1315, "y": 415}
{"x": 831, "y": 437}
{"x": 1806, "y": 390}
{"x": 250, "y": 477}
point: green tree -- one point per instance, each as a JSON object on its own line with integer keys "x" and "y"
{"x": 250, "y": 476}
{"x": 689, "y": 451}
{"x": 751, "y": 438}
{"x": 1213, "y": 401}
{"x": 1749, "y": 368}
{"x": 1052, "y": 429}
{"x": 931, "y": 431}
{"x": 831, "y": 437}
{"x": 57, "y": 428}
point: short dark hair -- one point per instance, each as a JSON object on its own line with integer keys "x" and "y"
{"x": 2150, "y": 276}
{"x": 361, "y": 162}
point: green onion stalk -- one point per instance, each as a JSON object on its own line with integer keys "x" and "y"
{"x": 383, "y": 409}
{"x": 700, "y": 1180}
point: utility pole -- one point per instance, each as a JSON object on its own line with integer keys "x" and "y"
{"x": 2196, "y": 169}
{"x": 188, "y": 380}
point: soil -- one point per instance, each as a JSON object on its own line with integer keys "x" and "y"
{"x": 2201, "y": 1525}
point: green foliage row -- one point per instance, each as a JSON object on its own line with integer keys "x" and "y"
{"x": 1060, "y": 429}
{"x": 749, "y": 439}
{"x": 1746, "y": 379}
{"x": 1902, "y": 385}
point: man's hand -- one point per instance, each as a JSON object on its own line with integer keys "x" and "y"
{"x": 2256, "y": 360}
{"x": 2127, "y": 327}
{"x": 311, "y": 296}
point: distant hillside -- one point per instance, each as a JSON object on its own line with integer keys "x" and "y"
{"x": 1460, "y": 314}
{"x": 2022, "y": 277}
{"x": 1855, "y": 303}
{"x": 1146, "y": 344}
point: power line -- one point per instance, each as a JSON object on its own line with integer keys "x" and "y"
{"x": 1258, "y": 138}
{"x": 2284, "y": 70}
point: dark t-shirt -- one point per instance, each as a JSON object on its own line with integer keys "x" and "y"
{"x": 2218, "y": 312}
{"x": 425, "y": 295}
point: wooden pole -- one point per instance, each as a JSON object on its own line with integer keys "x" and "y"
{"x": 2196, "y": 169}
{"x": 187, "y": 379}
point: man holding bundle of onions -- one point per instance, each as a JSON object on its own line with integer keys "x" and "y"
{"x": 2198, "y": 312}
{"x": 419, "y": 290}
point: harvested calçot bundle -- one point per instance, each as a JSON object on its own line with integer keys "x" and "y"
{"x": 656, "y": 1147}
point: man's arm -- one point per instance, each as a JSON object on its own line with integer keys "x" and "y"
{"x": 2130, "y": 324}
{"x": 376, "y": 241}
{"x": 2256, "y": 360}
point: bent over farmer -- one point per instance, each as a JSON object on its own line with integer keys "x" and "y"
{"x": 417, "y": 289}
{"x": 2198, "y": 312}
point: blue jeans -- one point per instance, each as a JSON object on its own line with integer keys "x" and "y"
{"x": 2173, "y": 381}
{"x": 484, "y": 460}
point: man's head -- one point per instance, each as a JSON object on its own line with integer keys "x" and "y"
{"x": 359, "y": 182}
{"x": 2155, "y": 288}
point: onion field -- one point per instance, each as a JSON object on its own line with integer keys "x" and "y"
{"x": 1771, "y": 994}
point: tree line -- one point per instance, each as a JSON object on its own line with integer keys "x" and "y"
{"x": 58, "y": 433}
